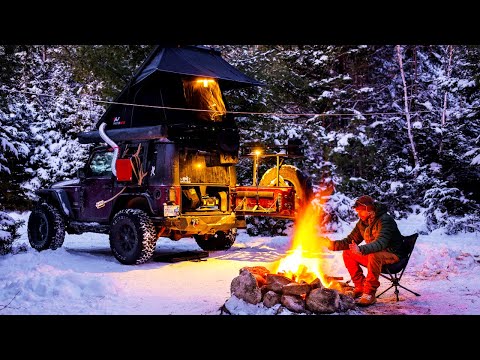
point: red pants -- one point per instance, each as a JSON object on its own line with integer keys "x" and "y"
{"x": 373, "y": 262}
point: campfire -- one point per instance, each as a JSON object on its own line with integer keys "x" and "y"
{"x": 298, "y": 282}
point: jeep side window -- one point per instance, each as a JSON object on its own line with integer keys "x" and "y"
{"x": 131, "y": 149}
{"x": 101, "y": 164}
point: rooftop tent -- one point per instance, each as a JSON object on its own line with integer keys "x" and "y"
{"x": 162, "y": 81}
{"x": 194, "y": 61}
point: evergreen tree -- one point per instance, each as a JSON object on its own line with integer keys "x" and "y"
{"x": 63, "y": 108}
{"x": 404, "y": 132}
{"x": 12, "y": 149}
{"x": 111, "y": 65}
{"x": 14, "y": 135}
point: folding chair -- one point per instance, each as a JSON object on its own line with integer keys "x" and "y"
{"x": 394, "y": 272}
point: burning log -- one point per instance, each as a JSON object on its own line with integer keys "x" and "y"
{"x": 259, "y": 272}
{"x": 256, "y": 270}
{"x": 316, "y": 284}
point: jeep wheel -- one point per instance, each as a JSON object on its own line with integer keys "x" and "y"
{"x": 46, "y": 228}
{"x": 290, "y": 176}
{"x": 132, "y": 237}
{"x": 221, "y": 240}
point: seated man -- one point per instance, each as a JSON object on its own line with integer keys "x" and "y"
{"x": 382, "y": 246}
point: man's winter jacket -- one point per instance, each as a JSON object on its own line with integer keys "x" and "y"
{"x": 380, "y": 233}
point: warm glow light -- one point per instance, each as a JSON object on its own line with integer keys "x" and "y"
{"x": 205, "y": 82}
{"x": 305, "y": 262}
{"x": 258, "y": 152}
{"x": 198, "y": 165}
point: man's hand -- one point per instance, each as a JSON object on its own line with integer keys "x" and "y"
{"x": 325, "y": 241}
{"x": 354, "y": 248}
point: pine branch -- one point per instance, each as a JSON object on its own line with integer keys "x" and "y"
{"x": 5, "y": 306}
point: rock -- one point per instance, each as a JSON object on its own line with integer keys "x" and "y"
{"x": 293, "y": 303}
{"x": 245, "y": 287}
{"x": 271, "y": 298}
{"x": 323, "y": 301}
{"x": 296, "y": 289}
{"x": 346, "y": 302}
{"x": 277, "y": 282}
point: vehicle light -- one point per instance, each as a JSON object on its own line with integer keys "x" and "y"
{"x": 172, "y": 195}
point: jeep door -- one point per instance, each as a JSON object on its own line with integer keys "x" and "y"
{"x": 97, "y": 187}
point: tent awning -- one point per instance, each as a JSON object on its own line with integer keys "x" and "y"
{"x": 193, "y": 61}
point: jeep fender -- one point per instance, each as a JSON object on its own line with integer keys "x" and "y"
{"x": 59, "y": 198}
{"x": 140, "y": 201}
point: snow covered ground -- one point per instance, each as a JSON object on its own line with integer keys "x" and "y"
{"x": 84, "y": 278}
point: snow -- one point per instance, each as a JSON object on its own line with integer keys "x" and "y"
{"x": 83, "y": 277}
{"x": 476, "y": 160}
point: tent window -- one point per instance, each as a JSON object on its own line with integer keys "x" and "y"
{"x": 204, "y": 94}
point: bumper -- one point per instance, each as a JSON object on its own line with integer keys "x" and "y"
{"x": 198, "y": 224}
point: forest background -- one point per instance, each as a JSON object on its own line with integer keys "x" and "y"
{"x": 398, "y": 122}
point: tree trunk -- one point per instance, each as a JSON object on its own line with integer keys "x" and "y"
{"x": 444, "y": 111}
{"x": 407, "y": 111}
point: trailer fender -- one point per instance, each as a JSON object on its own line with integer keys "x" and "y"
{"x": 290, "y": 175}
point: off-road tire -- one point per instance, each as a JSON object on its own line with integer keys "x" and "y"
{"x": 221, "y": 240}
{"x": 132, "y": 237}
{"x": 290, "y": 175}
{"x": 46, "y": 227}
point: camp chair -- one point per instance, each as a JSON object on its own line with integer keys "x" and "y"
{"x": 394, "y": 272}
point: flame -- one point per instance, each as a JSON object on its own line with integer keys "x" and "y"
{"x": 305, "y": 261}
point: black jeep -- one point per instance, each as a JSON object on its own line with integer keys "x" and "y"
{"x": 160, "y": 188}
{"x": 162, "y": 164}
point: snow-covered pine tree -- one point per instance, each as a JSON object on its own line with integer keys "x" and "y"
{"x": 111, "y": 65}
{"x": 372, "y": 148}
{"x": 62, "y": 109}
{"x": 13, "y": 150}
{"x": 453, "y": 201}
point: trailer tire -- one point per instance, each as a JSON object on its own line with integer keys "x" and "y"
{"x": 221, "y": 240}
{"x": 290, "y": 175}
{"x": 46, "y": 227}
{"x": 132, "y": 237}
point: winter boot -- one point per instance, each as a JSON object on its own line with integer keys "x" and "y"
{"x": 366, "y": 300}
{"x": 354, "y": 292}
{"x": 357, "y": 292}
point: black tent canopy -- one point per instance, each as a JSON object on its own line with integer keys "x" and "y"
{"x": 157, "y": 85}
{"x": 194, "y": 61}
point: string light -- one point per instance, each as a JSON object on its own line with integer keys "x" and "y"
{"x": 230, "y": 112}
